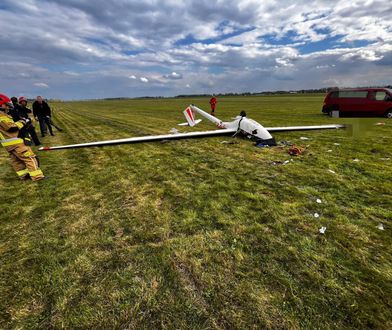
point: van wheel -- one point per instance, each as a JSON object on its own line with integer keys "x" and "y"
{"x": 388, "y": 114}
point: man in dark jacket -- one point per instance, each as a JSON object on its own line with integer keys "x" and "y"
{"x": 43, "y": 114}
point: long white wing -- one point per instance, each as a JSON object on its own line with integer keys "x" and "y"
{"x": 302, "y": 128}
{"x": 144, "y": 139}
{"x": 178, "y": 136}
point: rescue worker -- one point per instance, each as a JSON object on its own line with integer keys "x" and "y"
{"x": 24, "y": 112}
{"x": 213, "y": 102}
{"x": 14, "y": 113}
{"x": 23, "y": 160}
{"x": 43, "y": 114}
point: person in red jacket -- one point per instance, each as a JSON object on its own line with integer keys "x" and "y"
{"x": 213, "y": 102}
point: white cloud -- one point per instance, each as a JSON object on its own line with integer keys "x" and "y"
{"x": 173, "y": 75}
{"x": 41, "y": 85}
{"x": 236, "y": 46}
{"x": 71, "y": 73}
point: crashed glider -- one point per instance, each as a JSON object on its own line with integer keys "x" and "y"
{"x": 240, "y": 125}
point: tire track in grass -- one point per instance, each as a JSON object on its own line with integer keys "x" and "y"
{"x": 192, "y": 289}
{"x": 98, "y": 132}
{"x": 116, "y": 124}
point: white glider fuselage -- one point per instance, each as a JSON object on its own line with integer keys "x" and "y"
{"x": 240, "y": 124}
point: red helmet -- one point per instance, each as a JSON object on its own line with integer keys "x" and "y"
{"x": 4, "y": 99}
{"x": 22, "y": 98}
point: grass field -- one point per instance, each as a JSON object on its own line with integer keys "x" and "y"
{"x": 197, "y": 234}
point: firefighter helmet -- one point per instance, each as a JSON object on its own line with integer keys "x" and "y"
{"x": 4, "y": 99}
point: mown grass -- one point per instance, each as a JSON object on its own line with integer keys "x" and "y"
{"x": 197, "y": 234}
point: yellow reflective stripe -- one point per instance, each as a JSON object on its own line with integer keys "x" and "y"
{"x": 27, "y": 139}
{"x": 28, "y": 154}
{"x": 6, "y": 120}
{"x": 23, "y": 172}
{"x": 36, "y": 173}
{"x": 1, "y": 136}
{"x": 12, "y": 142}
{"x": 19, "y": 124}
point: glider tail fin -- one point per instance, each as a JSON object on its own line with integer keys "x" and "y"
{"x": 190, "y": 114}
{"x": 190, "y": 117}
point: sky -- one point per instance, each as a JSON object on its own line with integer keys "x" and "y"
{"x": 75, "y": 49}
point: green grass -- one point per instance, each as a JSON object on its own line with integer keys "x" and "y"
{"x": 196, "y": 234}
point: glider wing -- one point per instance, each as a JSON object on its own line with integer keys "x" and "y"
{"x": 148, "y": 138}
{"x": 303, "y": 128}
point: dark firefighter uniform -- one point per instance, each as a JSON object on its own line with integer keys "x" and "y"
{"x": 23, "y": 159}
{"x": 24, "y": 112}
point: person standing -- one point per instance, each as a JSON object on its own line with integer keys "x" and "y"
{"x": 24, "y": 112}
{"x": 14, "y": 113}
{"x": 43, "y": 114}
{"x": 213, "y": 102}
{"x": 23, "y": 159}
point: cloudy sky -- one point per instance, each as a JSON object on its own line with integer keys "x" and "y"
{"x": 75, "y": 49}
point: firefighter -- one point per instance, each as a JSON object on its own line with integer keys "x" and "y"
{"x": 24, "y": 112}
{"x": 23, "y": 159}
{"x": 213, "y": 102}
{"x": 19, "y": 112}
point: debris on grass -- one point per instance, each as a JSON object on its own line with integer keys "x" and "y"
{"x": 380, "y": 124}
{"x": 229, "y": 142}
{"x": 295, "y": 151}
{"x": 336, "y": 144}
{"x": 316, "y": 215}
{"x": 356, "y": 160}
{"x": 262, "y": 145}
{"x": 304, "y": 138}
{"x": 330, "y": 171}
{"x": 174, "y": 131}
{"x": 380, "y": 226}
{"x": 278, "y": 162}
{"x": 318, "y": 200}
{"x": 385, "y": 159}
{"x": 322, "y": 230}
{"x": 330, "y": 150}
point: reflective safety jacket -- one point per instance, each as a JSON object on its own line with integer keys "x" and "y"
{"x": 9, "y": 131}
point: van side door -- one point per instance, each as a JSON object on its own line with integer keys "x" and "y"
{"x": 353, "y": 101}
{"x": 381, "y": 102}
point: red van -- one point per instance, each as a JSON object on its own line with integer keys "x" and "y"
{"x": 360, "y": 101}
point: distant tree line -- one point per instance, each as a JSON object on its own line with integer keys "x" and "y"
{"x": 276, "y": 92}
